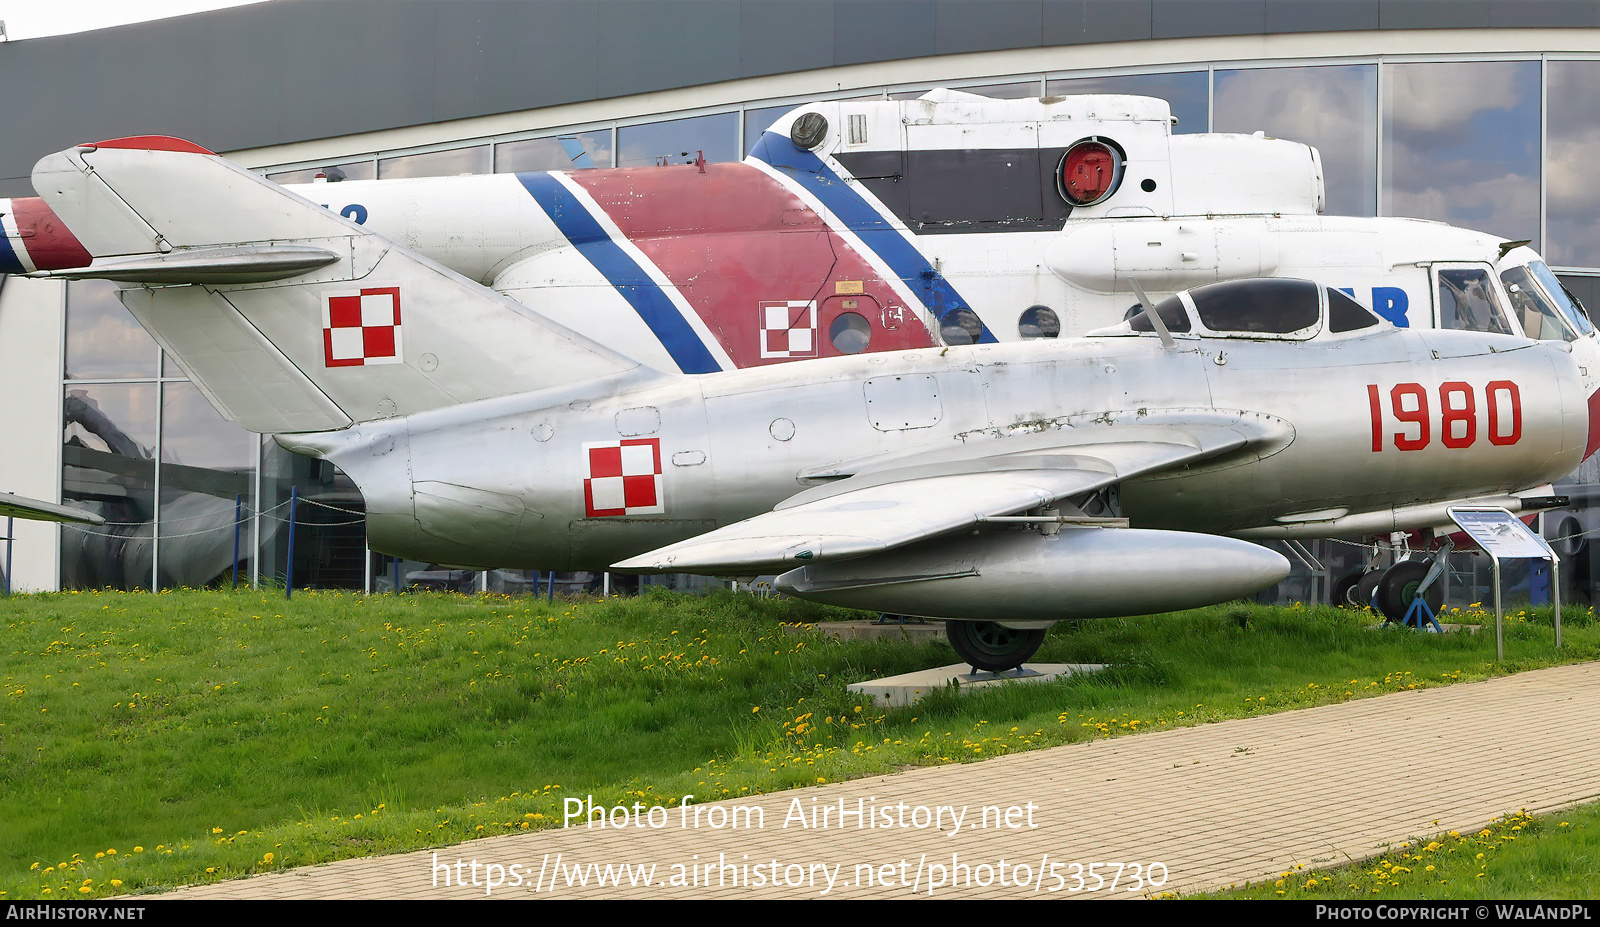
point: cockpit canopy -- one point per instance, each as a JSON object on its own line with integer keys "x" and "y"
{"x": 1267, "y": 308}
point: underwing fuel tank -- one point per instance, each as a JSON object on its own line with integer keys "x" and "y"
{"x": 1021, "y": 576}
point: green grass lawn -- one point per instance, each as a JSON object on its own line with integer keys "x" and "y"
{"x": 1519, "y": 856}
{"x": 152, "y": 740}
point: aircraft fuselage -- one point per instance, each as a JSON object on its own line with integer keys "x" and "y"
{"x": 1357, "y": 423}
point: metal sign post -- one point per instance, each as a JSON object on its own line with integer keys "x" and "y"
{"x": 1503, "y": 536}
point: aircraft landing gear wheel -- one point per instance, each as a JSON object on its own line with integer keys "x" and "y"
{"x": 1365, "y": 587}
{"x": 1343, "y": 593}
{"x": 993, "y": 647}
{"x": 1398, "y": 588}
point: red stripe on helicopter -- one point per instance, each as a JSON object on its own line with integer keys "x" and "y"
{"x": 1594, "y": 425}
{"x": 748, "y": 254}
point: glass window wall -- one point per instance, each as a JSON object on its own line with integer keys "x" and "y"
{"x": 1016, "y": 90}
{"x": 561, "y": 153}
{"x": 756, "y": 122}
{"x": 1461, "y": 145}
{"x": 207, "y": 472}
{"x": 437, "y": 163}
{"x": 677, "y": 141}
{"x": 1572, "y": 193}
{"x": 1333, "y": 109}
{"x": 108, "y": 467}
{"x": 1187, "y": 92}
{"x": 104, "y": 341}
{"x": 329, "y": 522}
{"x": 365, "y": 169}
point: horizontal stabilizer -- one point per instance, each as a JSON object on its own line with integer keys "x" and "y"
{"x": 245, "y": 264}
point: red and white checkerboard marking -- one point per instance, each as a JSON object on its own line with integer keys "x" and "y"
{"x": 789, "y": 328}
{"x": 362, "y": 330}
{"x": 624, "y": 478}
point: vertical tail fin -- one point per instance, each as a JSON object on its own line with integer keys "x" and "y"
{"x": 289, "y": 317}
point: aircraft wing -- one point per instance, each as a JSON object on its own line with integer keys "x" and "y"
{"x": 899, "y": 502}
{"x": 35, "y": 510}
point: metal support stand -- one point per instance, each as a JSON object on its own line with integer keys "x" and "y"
{"x": 886, "y": 618}
{"x": 982, "y": 675}
{"x": 1319, "y": 573}
{"x": 11, "y": 541}
{"x": 1419, "y": 616}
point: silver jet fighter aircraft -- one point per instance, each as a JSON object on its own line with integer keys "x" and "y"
{"x": 1002, "y": 487}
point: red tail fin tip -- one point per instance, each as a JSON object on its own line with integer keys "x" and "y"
{"x": 151, "y": 143}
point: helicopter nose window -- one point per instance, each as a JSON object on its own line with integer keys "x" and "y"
{"x": 1540, "y": 318}
{"x": 1467, "y": 302}
{"x": 1276, "y": 305}
{"x": 1565, "y": 302}
{"x": 1038, "y": 322}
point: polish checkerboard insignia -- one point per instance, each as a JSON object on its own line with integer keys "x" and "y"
{"x": 789, "y": 328}
{"x": 362, "y": 330}
{"x": 624, "y": 478}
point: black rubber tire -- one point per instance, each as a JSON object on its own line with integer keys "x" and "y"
{"x": 993, "y": 647}
{"x": 1366, "y": 587}
{"x": 1398, "y": 588}
{"x": 1343, "y": 593}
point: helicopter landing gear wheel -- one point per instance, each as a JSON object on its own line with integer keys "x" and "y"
{"x": 993, "y": 647}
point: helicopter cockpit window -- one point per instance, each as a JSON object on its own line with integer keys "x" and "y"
{"x": 1572, "y": 311}
{"x": 1171, "y": 312}
{"x": 1539, "y": 316}
{"x": 1267, "y": 306}
{"x": 1347, "y": 315}
{"x": 1467, "y": 302}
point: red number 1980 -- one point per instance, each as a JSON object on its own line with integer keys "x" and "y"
{"x": 1458, "y": 415}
